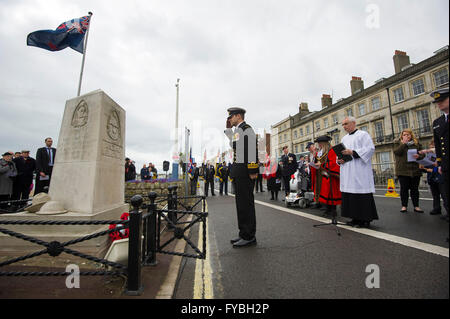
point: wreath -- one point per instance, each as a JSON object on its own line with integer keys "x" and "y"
{"x": 122, "y": 233}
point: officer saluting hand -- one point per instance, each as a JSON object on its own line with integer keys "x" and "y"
{"x": 243, "y": 172}
{"x": 440, "y": 132}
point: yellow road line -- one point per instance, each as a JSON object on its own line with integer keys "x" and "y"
{"x": 203, "y": 288}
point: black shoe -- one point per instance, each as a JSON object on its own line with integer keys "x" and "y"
{"x": 245, "y": 243}
{"x": 272, "y": 198}
{"x": 352, "y": 223}
{"x": 435, "y": 212}
{"x": 403, "y": 211}
{"x": 235, "y": 240}
{"x": 214, "y": 194}
{"x": 418, "y": 211}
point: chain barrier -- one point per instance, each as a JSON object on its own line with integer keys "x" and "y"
{"x": 143, "y": 244}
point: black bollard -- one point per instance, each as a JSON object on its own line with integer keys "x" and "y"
{"x": 151, "y": 232}
{"x": 171, "y": 206}
{"x": 134, "y": 285}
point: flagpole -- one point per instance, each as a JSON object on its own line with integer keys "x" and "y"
{"x": 84, "y": 54}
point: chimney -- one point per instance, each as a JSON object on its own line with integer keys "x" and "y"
{"x": 326, "y": 100}
{"x": 356, "y": 84}
{"x": 400, "y": 60}
{"x": 303, "y": 109}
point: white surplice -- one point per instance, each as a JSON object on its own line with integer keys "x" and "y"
{"x": 356, "y": 175}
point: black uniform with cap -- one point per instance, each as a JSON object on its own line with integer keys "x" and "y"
{"x": 245, "y": 159}
{"x": 440, "y": 132}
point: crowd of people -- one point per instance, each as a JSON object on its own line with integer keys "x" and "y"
{"x": 147, "y": 172}
{"x": 18, "y": 170}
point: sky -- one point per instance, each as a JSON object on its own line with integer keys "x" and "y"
{"x": 263, "y": 55}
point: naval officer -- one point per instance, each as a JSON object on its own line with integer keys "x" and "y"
{"x": 440, "y": 132}
{"x": 244, "y": 172}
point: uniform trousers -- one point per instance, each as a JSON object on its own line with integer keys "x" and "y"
{"x": 245, "y": 207}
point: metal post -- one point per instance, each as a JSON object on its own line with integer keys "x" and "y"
{"x": 170, "y": 215}
{"x": 84, "y": 54}
{"x": 134, "y": 285}
{"x": 151, "y": 231}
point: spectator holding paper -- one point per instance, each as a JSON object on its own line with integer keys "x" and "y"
{"x": 406, "y": 151}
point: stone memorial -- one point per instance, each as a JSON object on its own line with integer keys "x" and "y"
{"x": 88, "y": 175}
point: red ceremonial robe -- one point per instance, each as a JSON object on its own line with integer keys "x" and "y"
{"x": 330, "y": 193}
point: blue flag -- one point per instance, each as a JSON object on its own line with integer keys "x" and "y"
{"x": 68, "y": 34}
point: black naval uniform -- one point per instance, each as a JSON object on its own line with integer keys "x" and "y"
{"x": 440, "y": 131}
{"x": 244, "y": 185}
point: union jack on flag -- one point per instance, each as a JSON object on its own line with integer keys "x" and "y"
{"x": 67, "y": 34}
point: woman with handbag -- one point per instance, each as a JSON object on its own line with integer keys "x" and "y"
{"x": 408, "y": 172}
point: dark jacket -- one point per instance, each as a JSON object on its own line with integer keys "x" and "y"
{"x": 440, "y": 132}
{"x": 289, "y": 164}
{"x": 402, "y": 166}
{"x": 25, "y": 169}
{"x": 245, "y": 158}
{"x": 130, "y": 172}
{"x": 43, "y": 160}
{"x": 209, "y": 173}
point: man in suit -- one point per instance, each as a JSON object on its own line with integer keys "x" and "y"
{"x": 244, "y": 172}
{"x": 209, "y": 174}
{"x": 26, "y": 166}
{"x": 194, "y": 179}
{"x": 222, "y": 172}
{"x": 289, "y": 167}
{"x": 45, "y": 159}
{"x": 440, "y": 132}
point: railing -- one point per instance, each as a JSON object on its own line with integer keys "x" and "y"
{"x": 143, "y": 244}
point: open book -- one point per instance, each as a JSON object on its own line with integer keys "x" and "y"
{"x": 338, "y": 150}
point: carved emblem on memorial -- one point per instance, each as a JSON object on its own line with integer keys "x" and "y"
{"x": 113, "y": 127}
{"x": 80, "y": 115}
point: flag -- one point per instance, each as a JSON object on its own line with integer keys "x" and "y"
{"x": 67, "y": 34}
{"x": 191, "y": 166}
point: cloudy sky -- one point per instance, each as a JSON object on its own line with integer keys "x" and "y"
{"x": 264, "y": 55}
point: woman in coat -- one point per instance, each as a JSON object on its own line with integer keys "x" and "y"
{"x": 273, "y": 175}
{"x": 408, "y": 172}
{"x": 7, "y": 172}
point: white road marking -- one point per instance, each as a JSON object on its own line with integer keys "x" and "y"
{"x": 434, "y": 249}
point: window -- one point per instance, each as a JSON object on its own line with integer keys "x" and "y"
{"x": 318, "y": 125}
{"x": 398, "y": 95}
{"x": 280, "y": 139}
{"x": 295, "y": 134}
{"x": 301, "y": 132}
{"x": 384, "y": 161}
{"x": 307, "y": 129}
{"x": 440, "y": 77}
{"x": 335, "y": 119}
{"x": 325, "y": 122}
{"x": 362, "y": 109}
{"x": 350, "y": 112}
{"x": 424, "y": 121}
{"x": 303, "y": 147}
{"x": 336, "y": 138}
{"x": 376, "y": 103}
{"x": 364, "y": 128}
{"x": 285, "y": 137}
{"x": 296, "y": 148}
{"x": 402, "y": 121}
{"x": 379, "y": 133}
{"x": 418, "y": 87}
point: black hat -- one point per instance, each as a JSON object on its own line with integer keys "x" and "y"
{"x": 7, "y": 153}
{"x": 439, "y": 95}
{"x": 309, "y": 144}
{"x": 235, "y": 110}
{"x": 323, "y": 138}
